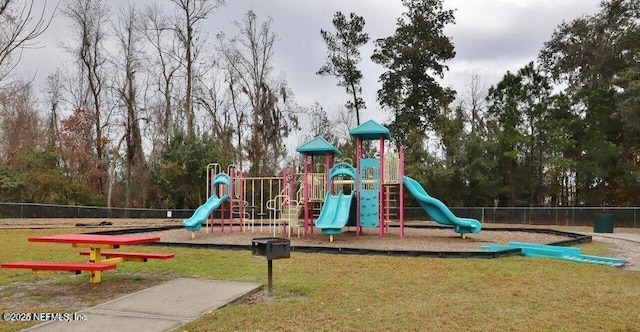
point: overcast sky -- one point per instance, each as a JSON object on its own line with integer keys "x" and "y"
{"x": 490, "y": 38}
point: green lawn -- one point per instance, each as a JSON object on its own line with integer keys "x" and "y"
{"x": 322, "y": 292}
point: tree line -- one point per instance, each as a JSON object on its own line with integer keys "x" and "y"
{"x": 149, "y": 99}
{"x": 561, "y": 131}
{"x": 144, "y": 102}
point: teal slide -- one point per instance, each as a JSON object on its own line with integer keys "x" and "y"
{"x": 202, "y": 213}
{"x": 335, "y": 213}
{"x": 438, "y": 211}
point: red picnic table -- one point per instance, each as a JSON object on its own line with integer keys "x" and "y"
{"x": 95, "y": 243}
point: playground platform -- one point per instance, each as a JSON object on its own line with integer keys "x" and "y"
{"x": 160, "y": 308}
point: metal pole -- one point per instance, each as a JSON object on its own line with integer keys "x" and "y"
{"x": 262, "y": 203}
{"x": 306, "y": 195}
{"x": 270, "y": 276}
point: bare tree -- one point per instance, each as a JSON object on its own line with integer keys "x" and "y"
{"x": 20, "y": 26}
{"x": 163, "y": 71}
{"x": 19, "y": 123}
{"x": 344, "y": 121}
{"x": 272, "y": 111}
{"x": 319, "y": 124}
{"x": 89, "y": 20}
{"x": 238, "y": 104}
{"x": 212, "y": 94}
{"x": 128, "y": 61}
{"x": 475, "y": 102}
{"x": 186, "y": 25}
{"x": 53, "y": 90}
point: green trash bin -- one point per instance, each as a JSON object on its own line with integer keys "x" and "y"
{"x": 603, "y": 223}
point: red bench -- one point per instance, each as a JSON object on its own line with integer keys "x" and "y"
{"x": 56, "y": 266}
{"x": 132, "y": 256}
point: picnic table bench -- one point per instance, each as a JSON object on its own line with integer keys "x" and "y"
{"x": 131, "y": 256}
{"x": 95, "y": 243}
{"x": 58, "y": 266}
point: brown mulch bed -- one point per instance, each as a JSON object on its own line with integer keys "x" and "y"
{"x": 427, "y": 239}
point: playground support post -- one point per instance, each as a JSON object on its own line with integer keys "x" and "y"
{"x": 222, "y": 216}
{"x": 358, "y": 156}
{"x": 307, "y": 186}
{"x": 401, "y": 190}
{"x": 328, "y": 185}
{"x": 381, "y": 189}
{"x": 240, "y": 193}
{"x": 231, "y": 171}
{"x": 212, "y": 170}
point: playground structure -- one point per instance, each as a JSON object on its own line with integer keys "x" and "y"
{"x": 366, "y": 194}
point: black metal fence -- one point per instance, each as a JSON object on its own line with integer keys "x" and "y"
{"x": 562, "y": 216}
{"x": 27, "y": 210}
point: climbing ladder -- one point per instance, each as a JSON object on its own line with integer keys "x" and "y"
{"x": 391, "y": 204}
{"x": 557, "y": 252}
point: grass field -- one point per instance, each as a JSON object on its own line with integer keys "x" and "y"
{"x": 322, "y": 292}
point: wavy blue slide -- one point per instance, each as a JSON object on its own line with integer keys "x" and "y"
{"x": 438, "y": 211}
{"x": 335, "y": 213}
{"x": 202, "y": 213}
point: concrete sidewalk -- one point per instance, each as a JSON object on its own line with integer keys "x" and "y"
{"x": 161, "y": 308}
{"x": 632, "y": 252}
{"x": 633, "y": 237}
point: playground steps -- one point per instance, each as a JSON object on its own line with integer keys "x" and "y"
{"x": 290, "y": 213}
{"x": 557, "y": 252}
{"x": 316, "y": 209}
{"x": 289, "y": 217}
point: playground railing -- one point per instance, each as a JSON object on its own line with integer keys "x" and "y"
{"x": 278, "y": 203}
{"x": 392, "y": 169}
{"x": 300, "y": 194}
{"x": 317, "y": 187}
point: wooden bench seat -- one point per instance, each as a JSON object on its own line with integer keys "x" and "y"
{"x": 58, "y": 266}
{"x": 136, "y": 256}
